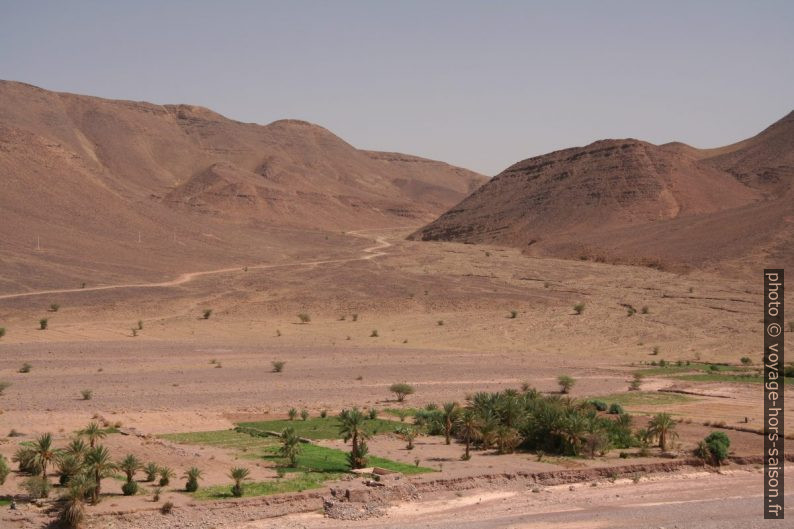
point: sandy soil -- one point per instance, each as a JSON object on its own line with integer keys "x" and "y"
{"x": 162, "y": 381}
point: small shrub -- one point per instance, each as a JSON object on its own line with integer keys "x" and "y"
{"x": 566, "y": 382}
{"x": 4, "y": 469}
{"x": 129, "y": 488}
{"x": 578, "y": 308}
{"x": 25, "y": 368}
{"x": 134, "y": 331}
{"x": 373, "y": 414}
{"x": 43, "y": 324}
{"x": 278, "y": 366}
{"x": 616, "y": 409}
{"x": 323, "y": 414}
{"x": 546, "y": 284}
{"x": 4, "y": 386}
{"x": 655, "y": 350}
{"x": 714, "y": 448}
{"x": 304, "y": 414}
{"x": 150, "y": 469}
{"x": 513, "y": 314}
{"x": 2, "y": 331}
{"x": 745, "y": 360}
{"x": 292, "y": 414}
{"x": 156, "y": 495}
{"x": 631, "y": 311}
{"x": 207, "y": 313}
{"x": 167, "y": 507}
{"x": 165, "y": 473}
{"x": 645, "y": 310}
{"x": 304, "y": 318}
{"x": 278, "y": 332}
{"x": 192, "y": 475}
{"x": 355, "y": 317}
{"x": 87, "y": 394}
{"x": 54, "y": 307}
{"x": 374, "y": 334}
{"x": 600, "y": 405}
{"x": 636, "y": 383}
{"x": 440, "y": 323}
{"x": 37, "y": 487}
{"x": 402, "y": 390}
{"x": 140, "y": 325}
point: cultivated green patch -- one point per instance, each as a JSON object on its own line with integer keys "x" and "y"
{"x": 746, "y": 378}
{"x": 304, "y": 481}
{"x": 320, "y": 428}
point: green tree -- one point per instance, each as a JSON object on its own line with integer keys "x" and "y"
{"x": 351, "y": 428}
{"x": 193, "y": 475}
{"x": 73, "y": 509}
{"x": 130, "y": 465}
{"x": 662, "y": 427}
{"x": 44, "y": 453}
{"x": 238, "y": 474}
{"x": 470, "y": 427}
{"x": 449, "y": 415}
{"x": 99, "y": 465}
{"x": 93, "y": 432}
{"x": 290, "y": 446}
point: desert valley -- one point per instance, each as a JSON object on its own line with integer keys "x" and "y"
{"x": 213, "y": 324}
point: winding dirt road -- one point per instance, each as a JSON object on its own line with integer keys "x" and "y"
{"x": 371, "y": 252}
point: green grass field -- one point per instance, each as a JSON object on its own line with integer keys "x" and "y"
{"x": 319, "y": 428}
{"x": 315, "y": 465}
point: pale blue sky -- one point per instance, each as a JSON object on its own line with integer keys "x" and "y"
{"x": 478, "y": 84}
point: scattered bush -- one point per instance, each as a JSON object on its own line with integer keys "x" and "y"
{"x": 292, "y": 414}
{"x": 714, "y": 448}
{"x": 207, "y": 313}
{"x": 616, "y": 409}
{"x": 140, "y": 325}
{"x": 37, "y": 487}
{"x": 655, "y": 350}
{"x": 25, "y": 368}
{"x": 43, "y": 324}
{"x": 374, "y": 334}
{"x": 304, "y": 318}
{"x": 746, "y": 360}
{"x": 513, "y": 314}
{"x": 54, "y": 307}
{"x": 578, "y": 308}
{"x": 645, "y": 310}
{"x": 355, "y": 317}
{"x": 600, "y": 405}
{"x": 87, "y": 394}
{"x": 134, "y": 332}
{"x": 373, "y": 414}
{"x": 167, "y": 507}
{"x": 566, "y": 382}
{"x": 129, "y": 488}
{"x": 304, "y": 414}
{"x": 2, "y": 331}
{"x": 402, "y": 390}
{"x": 631, "y": 311}
{"x": 636, "y": 383}
{"x": 440, "y": 323}
{"x": 278, "y": 366}
{"x": 4, "y": 386}
{"x": 323, "y": 414}
{"x": 4, "y": 469}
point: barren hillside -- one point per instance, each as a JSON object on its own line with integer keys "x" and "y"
{"x": 631, "y": 201}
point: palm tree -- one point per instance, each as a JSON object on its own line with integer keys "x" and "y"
{"x": 166, "y": 473}
{"x": 408, "y": 434}
{"x": 69, "y": 466}
{"x": 93, "y": 432}
{"x": 572, "y": 428}
{"x": 43, "y": 452}
{"x": 351, "y": 428}
{"x": 99, "y": 465}
{"x": 76, "y": 448}
{"x": 73, "y": 510}
{"x": 192, "y": 475}
{"x": 662, "y": 427}
{"x": 290, "y": 446}
{"x": 449, "y": 414}
{"x": 151, "y": 470}
{"x": 130, "y": 465}
{"x": 507, "y": 439}
{"x": 238, "y": 474}
{"x": 469, "y": 425}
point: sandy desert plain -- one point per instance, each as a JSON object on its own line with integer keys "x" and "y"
{"x": 449, "y": 319}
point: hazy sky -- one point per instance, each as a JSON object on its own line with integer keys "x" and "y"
{"x": 478, "y": 84}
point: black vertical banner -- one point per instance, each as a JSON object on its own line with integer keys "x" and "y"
{"x": 774, "y": 383}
